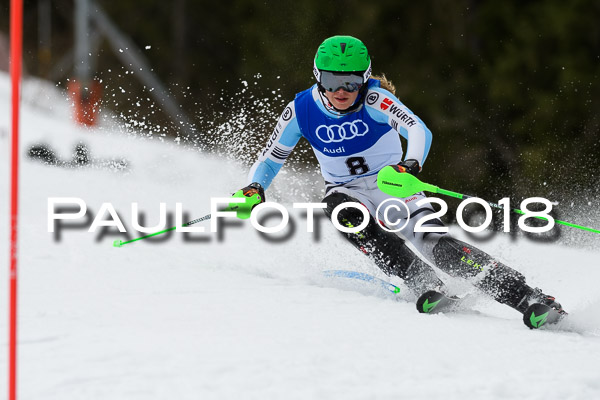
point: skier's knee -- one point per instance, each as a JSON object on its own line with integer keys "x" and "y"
{"x": 461, "y": 259}
{"x": 455, "y": 258}
{"x": 346, "y": 216}
{"x": 453, "y": 255}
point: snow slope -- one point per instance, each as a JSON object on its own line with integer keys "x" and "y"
{"x": 243, "y": 317}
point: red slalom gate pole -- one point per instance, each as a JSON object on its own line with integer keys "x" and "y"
{"x": 16, "y": 50}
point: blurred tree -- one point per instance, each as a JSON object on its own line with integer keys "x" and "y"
{"x": 509, "y": 89}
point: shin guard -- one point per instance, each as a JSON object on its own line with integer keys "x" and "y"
{"x": 499, "y": 281}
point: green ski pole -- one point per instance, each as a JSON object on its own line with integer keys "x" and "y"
{"x": 402, "y": 184}
{"x": 243, "y": 211}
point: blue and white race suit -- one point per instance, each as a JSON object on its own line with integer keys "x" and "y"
{"x": 351, "y": 148}
{"x": 347, "y": 146}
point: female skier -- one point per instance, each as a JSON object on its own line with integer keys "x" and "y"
{"x": 354, "y": 122}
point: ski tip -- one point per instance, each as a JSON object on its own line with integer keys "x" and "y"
{"x": 340, "y": 273}
{"x": 539, "y": 315}
{"x": 432, "y": 302}
{"x": 428, "y": 301}
{"x": 118, "y": 243}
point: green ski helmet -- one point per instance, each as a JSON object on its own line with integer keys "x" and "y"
{"x": 342, "y": 54}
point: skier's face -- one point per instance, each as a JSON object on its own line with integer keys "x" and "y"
{"x": 341, "y": 99}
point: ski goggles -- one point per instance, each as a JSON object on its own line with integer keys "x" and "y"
{"x": 334, "y": 81}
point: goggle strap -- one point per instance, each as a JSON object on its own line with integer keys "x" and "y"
{"x": 367, "y": 73}
{"x": 316, "y": 71}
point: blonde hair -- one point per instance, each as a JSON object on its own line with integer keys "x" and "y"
{"x": 385, "y": 83}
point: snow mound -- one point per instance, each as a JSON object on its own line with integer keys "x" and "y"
{"x": 240, "y": 315}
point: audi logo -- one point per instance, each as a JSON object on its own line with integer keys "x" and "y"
{"x": 339, "y": 133}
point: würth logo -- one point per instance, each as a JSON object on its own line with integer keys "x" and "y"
{"x": 386, "y": 103}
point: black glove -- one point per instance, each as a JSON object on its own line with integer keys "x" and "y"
{"x": 253, "y": 188}
{"x": 411, "y": 166}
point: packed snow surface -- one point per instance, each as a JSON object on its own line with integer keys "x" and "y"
{"x": 239, "y": 316}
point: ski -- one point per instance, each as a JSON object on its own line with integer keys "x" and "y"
{"x": 538, "y": 315}
{"x": 432, "y": 302}
{"x": 363, "y": 277}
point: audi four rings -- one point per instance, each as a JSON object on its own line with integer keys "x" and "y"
{"x": 339, "y": 133}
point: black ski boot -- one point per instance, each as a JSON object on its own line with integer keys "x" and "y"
{"x": 542, "y": 309}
